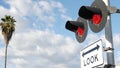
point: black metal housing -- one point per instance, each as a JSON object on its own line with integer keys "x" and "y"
{"x": 97, "y": 7}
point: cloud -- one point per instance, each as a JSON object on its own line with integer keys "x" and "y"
{"x": 65, "y": 17}
{"x": 41, "y": 47}
{"x": 33, "y": 14}
{"x": 116, "y": 40}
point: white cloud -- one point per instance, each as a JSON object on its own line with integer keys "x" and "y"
{"x": 19, "y": 61}
{"x": 59, "y": 66}
{"x": 38, "y": 46}
{"x": 116, "y": 40}
{"x": 45, "y": 6}
{"x": 2, "y": 52}
{"x": 22, "y": 6}
{"x": 58, "y": 5}
{"x": 117, "y": 57}
{"x": 36, "y": 14}
{"x": 66, "y": 17}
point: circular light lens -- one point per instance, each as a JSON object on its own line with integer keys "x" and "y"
{"x": 80, "y": 31}
{"x": 96, "y": 19}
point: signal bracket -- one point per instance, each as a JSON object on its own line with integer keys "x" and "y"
{"x": 113, "y": 9}
{"x": 109, "y": 66}
{"x": 108, "y": 48}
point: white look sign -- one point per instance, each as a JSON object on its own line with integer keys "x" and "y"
{"x": 92, "y": 55}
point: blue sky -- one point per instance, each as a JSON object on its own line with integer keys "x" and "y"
{"x": 41, "y": 40}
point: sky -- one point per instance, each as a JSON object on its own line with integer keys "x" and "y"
{"x": 41, "y": 40}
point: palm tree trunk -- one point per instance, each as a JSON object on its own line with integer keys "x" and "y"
{"x": 6, "y": 55}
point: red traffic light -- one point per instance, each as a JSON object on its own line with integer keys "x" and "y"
{"x": 79, "y": 27}
{"x": 96, "y": 14}
{"x": 80, "y": 31}
{"x": 96, "y": 19}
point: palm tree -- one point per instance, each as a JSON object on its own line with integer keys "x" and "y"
{"x": 8, "y": 27}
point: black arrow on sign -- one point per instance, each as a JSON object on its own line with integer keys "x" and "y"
{"x": 95, "y": 48}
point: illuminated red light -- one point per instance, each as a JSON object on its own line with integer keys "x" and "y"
{"x": 80, "y": 31}
{"x": 96, "y": 19}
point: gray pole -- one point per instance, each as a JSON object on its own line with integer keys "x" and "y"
{"x": 109, "y": 39}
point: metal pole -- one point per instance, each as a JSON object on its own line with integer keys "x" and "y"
{"x": 109, "y": 40}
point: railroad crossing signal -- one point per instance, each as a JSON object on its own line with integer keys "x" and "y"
{"x": 96, "y": 15}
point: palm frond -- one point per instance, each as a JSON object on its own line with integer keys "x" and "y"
{"x": 7, "y": 25}
{"x": 8, "y": 19}
{"x": 3, "y": 19}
